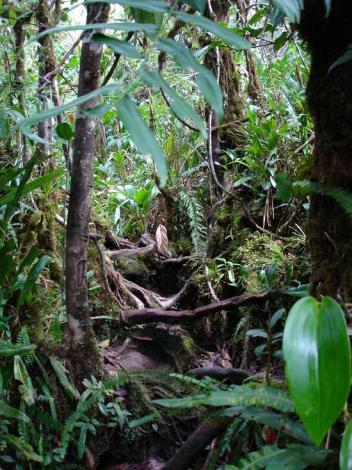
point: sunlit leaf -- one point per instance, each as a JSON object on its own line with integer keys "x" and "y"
{"x": 142, "y": 136}
{"x": 26, "y": 388}
{"x": 10, "y": 412}
{"x": 234, "y": 40}
{"x": 317, "y": 354}
{"x": 118, "y": 46}
{"x": 148, "y": 28}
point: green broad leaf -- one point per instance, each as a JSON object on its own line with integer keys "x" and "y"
{"x": 197, "y": 4}
{"x": 16, "y": 194}
{"x": 153, "y": 6}
{"x": 142, "y": 136}
{"x": 26, "y": 388}
{"x": 32, "y": 277}
{"x": 120, "y": 47}
{"x": 346, "y": 448}
{"x": 237, "y": 396}
{"x": 178, "y": 105}
{"x": 4, "y": 126}
{"x": 43, "y": 115}
{"x": 232, "y": 39}
{"x": 61, "y": 372}
{"x": 257, "y": 333}
{"x": 64, "y": 131}
{"x": 280, "y": 41}
{"x": 8, "y": 411}
{"x": 22, "y": 447}
{"x": 147, "y": 28}
{"x": 346, "y": 57}
{"x": 291, "y": 8}
{"x": 318, "y": 366}
{"x": 10, "y": 350}
{"x": 207, "y": 83}
{"x": 283, "y": 186}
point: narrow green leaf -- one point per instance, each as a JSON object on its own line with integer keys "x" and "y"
{"x": 206, "y": 81}
{"x": 232, "y": 39}
{"x": 318, "y": 366}
{"x": 346, "y": 57}
{"x": 283, "y": 186}
{"x": 291, "y": 8}
{"x": 64, "y": 131}
{"x": 328, "y": 7}
{"x": 346, "y": 448}
{"x": 237, "y": 396}
{"x": 142, "y": 136}
{"x": 43, "y": 115}
{"x": 9, "y": 412}
{"x": 148, "y": 28}
{"x": 10, "y": 350}
{"x": 153, "y": 6}
{"x": 178, "y": 105}
{"x": 35, "y": 137}
{"x": 21, "y": 374}
{"x": 60, "y": 371}
{"x": 118, "y": 46}
{"x": 32, "y": 278}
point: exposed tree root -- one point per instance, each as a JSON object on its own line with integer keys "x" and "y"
{"x": 151, "y": 315}
{"x": 196, "y": 443}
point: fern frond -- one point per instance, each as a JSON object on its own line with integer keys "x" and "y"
{"x": 195, "y": 216}
{"x": 23, "y": 340}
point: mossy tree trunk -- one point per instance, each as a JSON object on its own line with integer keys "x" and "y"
{"x": 83, "y": 351}
{"x": 330, "y": 101}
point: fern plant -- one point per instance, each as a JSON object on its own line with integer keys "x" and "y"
{"x": 194, "y": 211}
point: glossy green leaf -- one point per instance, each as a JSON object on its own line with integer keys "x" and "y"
{"x": 148, "y": 28}
{"x": 10, "y": 350}
{"x": 32, "y": 278}
{"x": 43, "y": 115}
{"x": 120, "y": 47}
{"x": 61, "y": 372}
{"x": 207, "y": 83}
{"x": 178, "y": 105}
{"x": 64, "y": 131}
{"x": 153, "y": 6}
{"x": 8, "y": 411}
{"x": 26, "y": 388}
{"x": 346, "y": 448}
{"x": 318, "y": 365}
{"x": 197, "y": 4}
{"x": 232, "y": 39}
{"x": 142, "y": 136}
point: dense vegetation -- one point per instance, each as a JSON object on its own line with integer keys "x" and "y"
{"x": 175, "y": 234}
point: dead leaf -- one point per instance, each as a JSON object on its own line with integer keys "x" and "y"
{"x": 161, "y": 240}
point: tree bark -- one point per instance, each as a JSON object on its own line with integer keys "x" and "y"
{"x": 83, "y": 349}
{"x": 329, "y": 98}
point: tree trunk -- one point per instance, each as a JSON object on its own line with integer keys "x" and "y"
{"x": 330, "y": 101}
{"x": 83, "y": 350}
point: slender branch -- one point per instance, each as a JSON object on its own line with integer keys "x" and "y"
{"x": 152, "y": 315}
{"x": 116, "y": 61}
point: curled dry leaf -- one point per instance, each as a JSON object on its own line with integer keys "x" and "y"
{"x": 161, "y": 240}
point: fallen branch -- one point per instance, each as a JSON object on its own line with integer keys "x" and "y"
{"x": 196, "y": 443}
{"x": 151, "y": 315}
